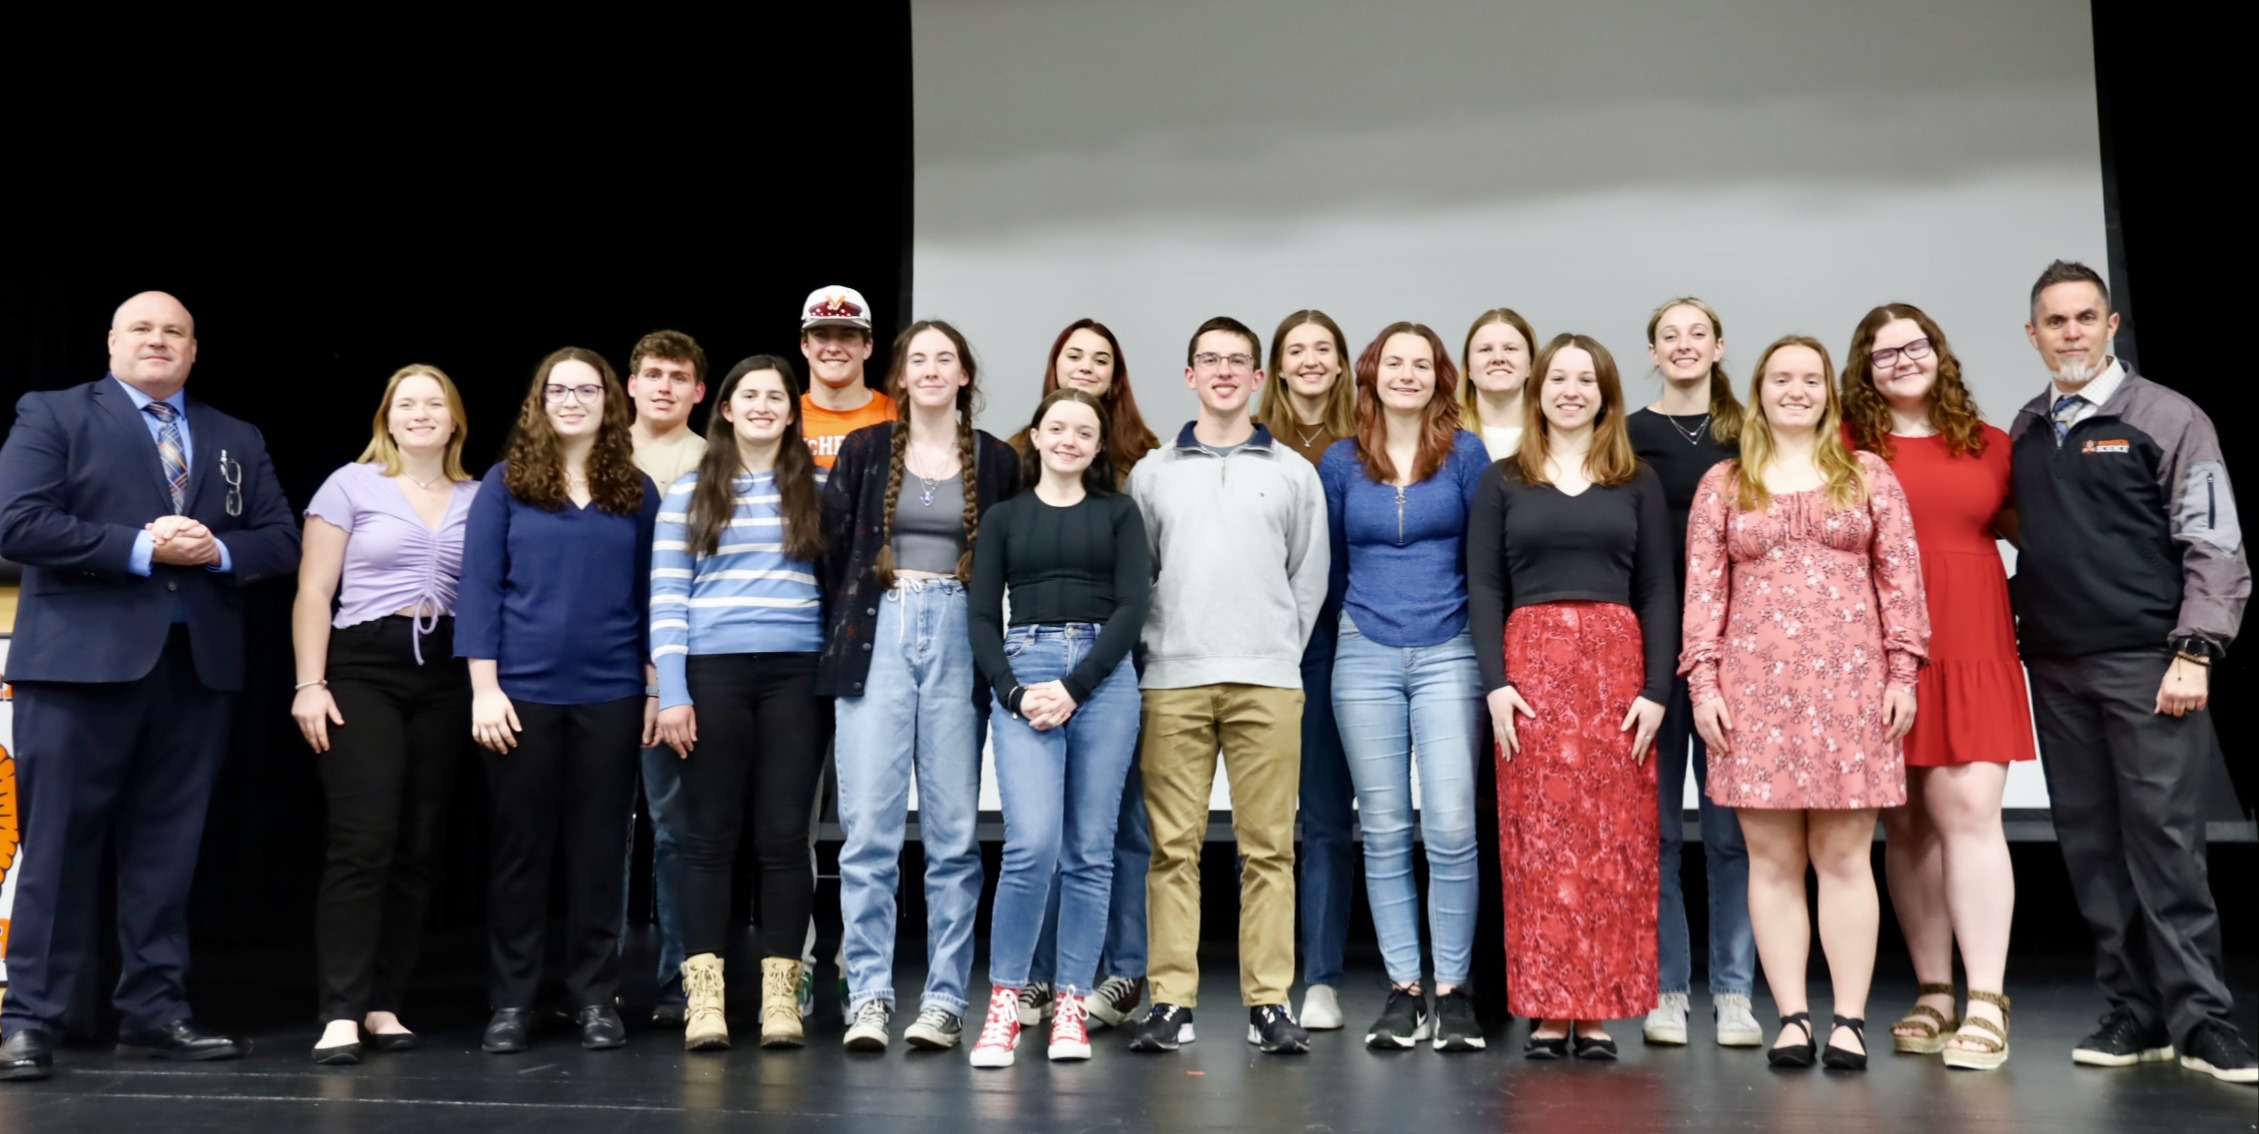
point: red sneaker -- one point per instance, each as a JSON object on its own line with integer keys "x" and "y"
{"x": 1001, "y": 1033}
{"x": 1070, "y": 1029}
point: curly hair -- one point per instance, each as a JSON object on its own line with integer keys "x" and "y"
{"x": 899, "y": 448}
{"x": 1439, "y": 421}
{"x": 536, "y": 457}
{"x": 1953, "y": 413}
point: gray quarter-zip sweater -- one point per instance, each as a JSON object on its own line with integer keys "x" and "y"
{"x": 1239, "y": 557}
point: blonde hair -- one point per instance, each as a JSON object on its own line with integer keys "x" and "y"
{"x": 1845, "y": 481}
{"x": 1340, "y": 416}
{"x": 383, "y": 450}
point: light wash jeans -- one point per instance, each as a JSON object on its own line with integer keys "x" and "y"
{"x": 1396, "y": 706}
{"x": 1062, "y": 795}
{"x": 916, "y": 712}
{"x": 1725, "y": 862}
{"x": 1125, "y": 912}
{"x": 662, "y": 798}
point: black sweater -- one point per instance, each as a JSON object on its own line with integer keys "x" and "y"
{"x": 1528, "y": 545}
{"x": 1087, "y": 562}
{"x": 854, "y": 526}
{"x": 1679, "y": 463}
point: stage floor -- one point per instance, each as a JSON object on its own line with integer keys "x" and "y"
{"x": 1217, "y": 1083}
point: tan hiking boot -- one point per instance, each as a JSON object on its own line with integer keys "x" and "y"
{"x": 704, "y": 1028}
{"x": 780, "y": 1002}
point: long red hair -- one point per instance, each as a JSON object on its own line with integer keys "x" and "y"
{"x": 1439, "y": 421}
{"x": 1128, "y": 438}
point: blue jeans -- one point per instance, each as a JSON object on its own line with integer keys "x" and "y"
{"x": 917, "y": 712}
{"x": 1062, "y": 795}
{"x": 1329, "y": 856}
{"x": 1125, "y": 914}
{"x": 1733, "y": 949}
{"x": 662, "y": 797}
{"x": 1398, "y": 707}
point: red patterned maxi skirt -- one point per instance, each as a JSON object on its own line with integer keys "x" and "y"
{"x": 1577, "y": 819}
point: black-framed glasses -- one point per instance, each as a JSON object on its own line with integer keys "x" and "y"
{"x": 1210, "y": 360}
{"x": 585, "y": 395}
{"x": 1887, "y": 357}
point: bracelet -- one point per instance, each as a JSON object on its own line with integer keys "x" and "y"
{"x": 2193, "y": 659}
{"x": 1012, "y": 699}
{"x": 650, "y": 690}
{"x": 323, "y": 682}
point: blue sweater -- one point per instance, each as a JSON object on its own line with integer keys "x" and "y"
{"x": 556, "y": 599}
{"x": 746, "y": 598}
{"x": 1400, "y": 570}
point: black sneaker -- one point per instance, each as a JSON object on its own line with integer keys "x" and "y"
{"x": 1272, "y": 1028}
{"x": 2119, "y": 1042}
{"x": 2218, "y": 1050}
{"x": 1164, "y": 1027}
{"x": 1403, "y": 1023}
{"x": 1456, "y": 1028}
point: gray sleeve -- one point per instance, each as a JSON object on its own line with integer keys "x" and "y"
{"x": 2215, "y": 574}
{"x": 1309, "y": 560}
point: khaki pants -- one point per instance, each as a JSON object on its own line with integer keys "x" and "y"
{"x": 1259, "y": 730}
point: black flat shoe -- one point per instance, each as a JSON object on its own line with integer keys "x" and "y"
{"x": 391, "y": 1041}
{"x": 27, "y": 1054}
{"x": 1556, "y": 1047}
{"x": 1843, "y": 1058}
{"x": 180, "y": 1041}
{"x": 338, "y": 1055}
{"x": 1794, "y": 1056}
{"x": 1601, "y": 1050}
{"x": 600, "y": 1028}
{"x": 506, "y": 1031}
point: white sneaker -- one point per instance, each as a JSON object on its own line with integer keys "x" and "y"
{"x": 1737, "y": 1025}
{"x": 866, "y": 1030}
{"x": 1666, "y": 1025}
{"x": 1321, "y": 1008}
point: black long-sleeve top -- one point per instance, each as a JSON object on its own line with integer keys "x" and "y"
{"x": 1679, "y": 462}
{"x": 1087, "y": 562}
{"x": 1534, "y": 544}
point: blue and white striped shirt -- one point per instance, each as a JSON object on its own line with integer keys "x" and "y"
{"x": 748, "y": 598}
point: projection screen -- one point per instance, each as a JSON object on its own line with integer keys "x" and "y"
{"x": 1155, "y": 163}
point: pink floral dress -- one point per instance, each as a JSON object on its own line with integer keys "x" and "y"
{"x": 1800, "y": 617}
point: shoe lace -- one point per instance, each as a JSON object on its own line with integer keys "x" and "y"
{"x": 938, "y": 1019}
{"x": 1160, "y": 1013}
{"x": 1035, "y": 993}
{"x": 873, "y": 1013}
{"x": 701, "y": 982}
{"x": 1070, "y": 1020}
{"x": 780, "y": 984}
{"x": 1003, "y": 1023}
{"x": 1115, "y": 989}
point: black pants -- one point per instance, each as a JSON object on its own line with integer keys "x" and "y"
{"x": 563, "y": 796}
{"x": 386, "y": 778}
{"x": 759, "y": 762}
{"x": 2126, "y": 787}
{"x": 129, "y": 764}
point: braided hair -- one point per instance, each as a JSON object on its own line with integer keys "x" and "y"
{"x": 898, "y": 450}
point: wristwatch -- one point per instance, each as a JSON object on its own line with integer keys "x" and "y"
{"x": 2197, "y": 648}
{"x": 650, "y": 690}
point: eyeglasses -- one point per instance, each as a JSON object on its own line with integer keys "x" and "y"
{"x": 585, "y": 395}
{"x": 1210, "y": 360}
{"x": 231, "y": 471}
{"x": 1887, "y": 357}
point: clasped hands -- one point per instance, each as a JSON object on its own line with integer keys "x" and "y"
{"x": 179, "y": 541}
{"x": 1046, "y": 705}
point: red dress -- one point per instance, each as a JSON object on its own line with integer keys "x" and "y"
{"x": 1973, "y": 705}
{"x": 1577, "y": 819}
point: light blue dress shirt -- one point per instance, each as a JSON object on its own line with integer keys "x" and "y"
{"x": 145, "y": 545}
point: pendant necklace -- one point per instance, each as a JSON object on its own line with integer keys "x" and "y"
{"x": 1693, "y": 436}
{"x": 1312, "y": 435}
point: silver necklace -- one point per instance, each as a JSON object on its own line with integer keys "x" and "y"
{"x": 423, "y": 484}
{"x": 1312, "y": 435}
{"x": 925, "y": 493}
{"x": 1693, "y": 436}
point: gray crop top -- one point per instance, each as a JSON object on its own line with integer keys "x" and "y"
{"x": 929, "y": 537}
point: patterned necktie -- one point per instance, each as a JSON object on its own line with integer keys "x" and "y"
{"x": 2066, "y": 408}
{"x": 171, "y": 453}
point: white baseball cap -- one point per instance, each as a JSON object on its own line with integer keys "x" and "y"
{"x": 835, "y": 307}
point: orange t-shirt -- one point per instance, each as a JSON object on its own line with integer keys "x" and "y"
{"x": 826, "y": 428}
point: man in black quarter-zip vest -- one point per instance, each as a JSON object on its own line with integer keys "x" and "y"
{"x": 2131, "y": 582}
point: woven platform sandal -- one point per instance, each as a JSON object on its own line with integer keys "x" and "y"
{"x": 1991, "y": 1049}
{"x": 1927, "y": 1029}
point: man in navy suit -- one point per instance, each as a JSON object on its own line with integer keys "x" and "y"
{"x": 138, "y": 514}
